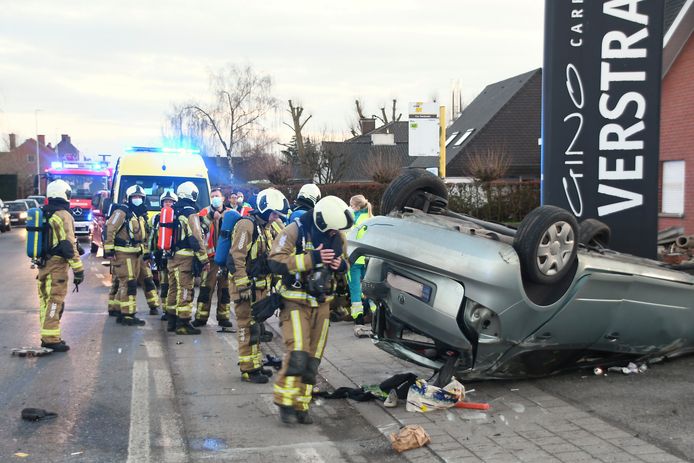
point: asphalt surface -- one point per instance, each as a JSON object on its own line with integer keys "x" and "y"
{"x": 140, "y": 394}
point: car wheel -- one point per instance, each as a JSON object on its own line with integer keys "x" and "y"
{"x": 546, "y": 243}
{"x": 409, "y": 190}
{"x": 94, "y": 248}
{"x": 594, "y": 233}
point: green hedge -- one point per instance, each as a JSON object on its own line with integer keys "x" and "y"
{"x": 497, "y": 201}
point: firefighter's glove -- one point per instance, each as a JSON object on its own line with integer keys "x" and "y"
{"x": 109, "y": 254}
{"x": 77, "y": 279}
{"x": 245, "y": 294}
{"x": 146, "y": 256}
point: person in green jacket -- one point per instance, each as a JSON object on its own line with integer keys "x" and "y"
{"x": 362, "y": 212}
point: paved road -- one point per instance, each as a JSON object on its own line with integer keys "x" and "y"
{"x": 140, "y": 394}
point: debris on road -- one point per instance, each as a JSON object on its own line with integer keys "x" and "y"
{"x": 272, "y": 361}
{"x": 31, "y": 351}
{"x": 423, "y": 397}
{"x": 21, "y": 454}
{"x": 472, "y": 405}
{"x": 409, "y": 437}
{"x": 36, "y": 414}
{"x": 631, "y": 368}
{"x": 76, "y": 453}
{"x": 392, "y": 399}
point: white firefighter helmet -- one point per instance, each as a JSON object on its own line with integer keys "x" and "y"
{"x": 59, "y": 189}
{"x": 309, "y": 192}
{"x": 332, "y": 213}
{"x": 135, "y": 190}
{"x": 271, "y": 200}
{"x": 187, "y": 190}
{"x": 168, "y": 194}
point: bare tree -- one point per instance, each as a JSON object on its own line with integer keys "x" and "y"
{"x": 297, "y": 126}
{"x": 355, "y": 125}
{"x": 394, "y": 114}
{"x": 382, "y": 164}
{"x": 332, "y": 165}
{"x": 489, "y": 164}
{"x": 240, "y": 99}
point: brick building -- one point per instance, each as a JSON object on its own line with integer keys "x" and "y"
{"x": 676, "y": 176}
{"x": 18, "y": 165}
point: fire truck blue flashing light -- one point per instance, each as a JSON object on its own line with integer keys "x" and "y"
{"x": 147, "y": 149}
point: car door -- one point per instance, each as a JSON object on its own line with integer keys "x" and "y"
{"x": 654, "y": 314}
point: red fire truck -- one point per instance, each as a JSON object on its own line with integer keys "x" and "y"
{"x": 86, "y": 179}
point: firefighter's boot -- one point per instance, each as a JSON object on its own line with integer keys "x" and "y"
{"x": 303, "y": 417}
{"x": 254, "y": 376}
{"x": 183, "y": 326}
{"x": 287, "y": 415}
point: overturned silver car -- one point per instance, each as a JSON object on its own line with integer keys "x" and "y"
{"x": 481, "y": 300}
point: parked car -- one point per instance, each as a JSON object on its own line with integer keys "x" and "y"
{"x": 38, "y": 198}
{"x": 5, "y": 223}
{"x": 481, "y": 300}
{"x": 30, "y": 202}
{"x": 18, "y": 211}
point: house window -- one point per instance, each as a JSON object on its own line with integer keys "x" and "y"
{"x": 673, "y": 187}
{"x": 463, "y": 137}
{"x": 450, "y": 139}
{"x": 31, "y": 158}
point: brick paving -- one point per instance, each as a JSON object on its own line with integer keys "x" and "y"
{"x": 524, "y": 424}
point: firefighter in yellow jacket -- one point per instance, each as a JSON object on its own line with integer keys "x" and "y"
{"x": 251, "y": 239}
{"x": 126, "y": 234}
{"x": 188, "y": 246}
{"x": 213, "y": 278}
{"x": 306, "y": 254}
{"x": 61, "y": 252}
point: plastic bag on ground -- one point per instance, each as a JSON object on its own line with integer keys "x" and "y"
{"x": 409, "y": 437}
{"x": 424, "y": 397}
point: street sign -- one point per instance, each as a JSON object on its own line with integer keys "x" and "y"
{"x": 423, "y": 135}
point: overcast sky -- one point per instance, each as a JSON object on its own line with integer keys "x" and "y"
{"x": 106, "y": 72}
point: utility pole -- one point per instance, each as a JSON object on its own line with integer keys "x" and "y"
{"x": 38, "y": 166}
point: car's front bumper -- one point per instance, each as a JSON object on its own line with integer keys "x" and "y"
{"x": 82, "y": 228}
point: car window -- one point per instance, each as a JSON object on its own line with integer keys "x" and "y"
{"x": 154, "y": 186}
{"x": 17, "y": 206}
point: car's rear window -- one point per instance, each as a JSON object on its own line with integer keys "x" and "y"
{"x": 17, "y": 206}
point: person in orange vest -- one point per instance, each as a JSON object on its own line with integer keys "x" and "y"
{"x": 213, "y": 278}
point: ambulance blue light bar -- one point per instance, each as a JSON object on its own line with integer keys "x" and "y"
{"x": 149, "y": 149}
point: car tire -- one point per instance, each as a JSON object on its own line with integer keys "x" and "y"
{"x": 407, "y": 189}
{"x": 592, "y": 232}
{"x": 546, "y": 243}
{"x": 94, "y": 248}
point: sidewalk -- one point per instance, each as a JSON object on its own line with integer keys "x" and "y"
{"x": 524, "y": 423}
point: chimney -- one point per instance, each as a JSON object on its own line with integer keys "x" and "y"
{"x": 65, "y": 138}
{"x": 42, "y": 140}
{"x": 367, "y": 125}
{"x": 13, "y": 141}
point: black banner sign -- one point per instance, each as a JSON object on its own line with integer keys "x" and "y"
{"x": 601, "y": 115}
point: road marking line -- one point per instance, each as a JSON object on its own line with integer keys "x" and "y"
{"x": 138, "y": 441}
{"x": 163, "y": 384}
{"x": 308, "y": 455}
{"x": 154, "y": 350}
{"x": 171, "y": 440}
{"x": 231, "y": 340}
